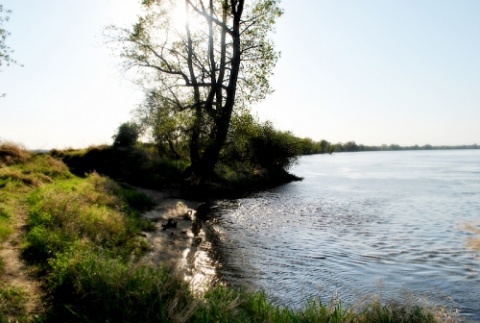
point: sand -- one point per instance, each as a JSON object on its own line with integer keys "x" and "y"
{"x": 181, "y": 246}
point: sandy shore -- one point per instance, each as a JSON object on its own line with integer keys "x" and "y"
{"x": 180, "y": 246}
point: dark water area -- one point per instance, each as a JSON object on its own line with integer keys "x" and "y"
{"x": 391, "y": 224}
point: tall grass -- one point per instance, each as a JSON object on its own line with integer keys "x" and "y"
{"x": 227, "y": 305}
{"x": 88, "y": 286}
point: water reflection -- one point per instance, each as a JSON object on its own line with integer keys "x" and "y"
{"x": 198, "y": 261}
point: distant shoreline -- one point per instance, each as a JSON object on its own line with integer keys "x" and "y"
{"x": 351, "y": 146}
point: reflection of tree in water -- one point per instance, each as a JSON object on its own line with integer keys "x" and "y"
{"x": 473, "y": 243}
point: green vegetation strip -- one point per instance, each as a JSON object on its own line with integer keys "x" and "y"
{"x": 83, "y": 241}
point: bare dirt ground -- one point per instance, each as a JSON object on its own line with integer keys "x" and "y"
{"x": 169, "y": 244}
{"x": 17, "y": 274}
{"x": 181, "y": 246}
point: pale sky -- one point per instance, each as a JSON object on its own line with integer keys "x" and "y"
{"x": 373, "y": 71}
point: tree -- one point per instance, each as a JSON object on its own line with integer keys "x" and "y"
{"x": 5, "y": 51}
{"x": 126, "y": 136}
{"x": 167, "y": 127}
{"x": 219, "y": 59}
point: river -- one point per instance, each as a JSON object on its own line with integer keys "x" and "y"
{"x": 390, "y": 224}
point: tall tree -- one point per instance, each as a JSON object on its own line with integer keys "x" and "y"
{"x": 206, "y": 58}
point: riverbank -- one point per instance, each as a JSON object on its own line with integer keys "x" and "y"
{"x": 90, "y": 244}
{"x": 176, "y": 239}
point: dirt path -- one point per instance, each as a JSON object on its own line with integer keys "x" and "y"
{"x": 17, "y": 274}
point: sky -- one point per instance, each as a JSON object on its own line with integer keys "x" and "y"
{"x": 375, "y": 72}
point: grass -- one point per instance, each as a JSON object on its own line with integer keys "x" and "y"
{"x": 82, "y": 237}
{"x": 12, "y": 305}
{"x": 227, "y": 305}
{"x": 5, "y": 223}
{"x": 88, "y": 286}
{"x": 92, "y": 212}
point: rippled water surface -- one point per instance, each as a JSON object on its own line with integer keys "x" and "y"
{"x": 385, "y": 223}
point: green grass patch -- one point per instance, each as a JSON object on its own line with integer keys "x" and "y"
{"x": 94, "y": 211}
{"x": 5, "y": 223}
{"x": 87, "y": 282}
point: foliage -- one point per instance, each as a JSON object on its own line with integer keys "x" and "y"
{"x": 273, "y": 148}
{"x": 167, "y": 126}
{"x": 352, "y": 146}
{"x": 139, "y": 165}
{"x": 218, "y": 60}
{"x": 259, "y": 144}
{"x": 5, "y": 51}
{"x": 309, "y": 147}
{"x": 127, "y": 135}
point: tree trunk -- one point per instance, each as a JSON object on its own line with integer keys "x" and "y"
{"x": 203, "y": 166}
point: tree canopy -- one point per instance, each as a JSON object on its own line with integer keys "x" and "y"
{"x": 201, "y": 61}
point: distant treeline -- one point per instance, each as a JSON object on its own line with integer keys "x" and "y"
{"x": 351, "y": 146}
{"x": 307, "y": 146}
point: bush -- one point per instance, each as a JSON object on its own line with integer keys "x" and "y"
{"x": 127, "y": 135}
{"x": 275, "y": 149}
{"x": 260, "y": 145}
{"x": 11, "y": 153}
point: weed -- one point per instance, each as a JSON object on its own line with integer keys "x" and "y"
{"x": 12, "y": 304}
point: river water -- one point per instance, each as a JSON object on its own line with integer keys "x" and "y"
{"x": 392, "y": 224}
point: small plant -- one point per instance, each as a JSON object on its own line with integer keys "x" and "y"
{"x": 12, "y": 304}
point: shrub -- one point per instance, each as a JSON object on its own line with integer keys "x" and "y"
{"x": 11, "y": 153}
{"x": 260, "y": 144}
{"x": 127, "y": 135}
